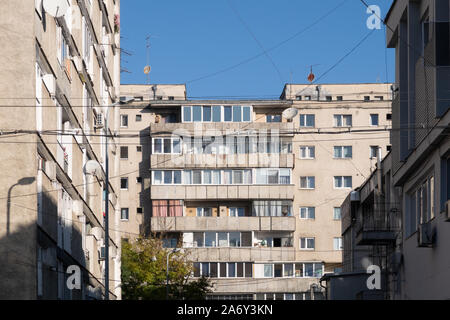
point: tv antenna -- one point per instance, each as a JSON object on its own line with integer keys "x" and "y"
{"x": 147, "y": 67}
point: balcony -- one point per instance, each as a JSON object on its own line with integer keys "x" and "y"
{"x": 378, "y": 226}
{"x": 242, "y": 254}
{"x": 212, "y": 161}
{"x": 263, "y": 285}
{"x": 221, "y": 192}
{"x": 183, "y": 224}
{"x": 218, "y": 128}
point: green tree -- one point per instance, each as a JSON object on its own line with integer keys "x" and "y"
{"x": 144, "y": 273}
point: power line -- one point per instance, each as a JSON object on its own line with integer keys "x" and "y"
{"x": 271, "y": 48}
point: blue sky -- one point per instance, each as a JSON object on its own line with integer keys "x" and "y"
{"x": 196, "y": 38}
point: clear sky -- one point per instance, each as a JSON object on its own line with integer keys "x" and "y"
{"x": 192, "y": 41}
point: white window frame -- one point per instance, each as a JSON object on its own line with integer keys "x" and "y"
{"x": 306, "y": 244}
{"x": 342, "y": 178}
{"x": 123, "y": 116}
{"x": 163, "y": 172}
{"x": 128, "y": 214}
{"x": 305, "y": 118}
{"x": 334, "y": 213}
{"x": 307, "y": 151}
{"x": 342, "y": 117}
{"x": 307, "y": 211}
{"x": 342, "y": 152}
{"x": 171, "y": 145}
{"x": 308, "y": 179}
{"x": 222, "y": 113}
{"x": 338, "y": 244}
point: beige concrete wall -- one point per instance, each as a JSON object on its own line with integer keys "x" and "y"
{"x": 31, "y": 38}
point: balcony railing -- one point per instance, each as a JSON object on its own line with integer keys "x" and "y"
{"x": 378, "y": 225}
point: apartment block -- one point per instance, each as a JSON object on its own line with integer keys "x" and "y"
{"x": 60, "y": 78}
{"x": 399, "y": 219}
{"x": 252, "y": 196}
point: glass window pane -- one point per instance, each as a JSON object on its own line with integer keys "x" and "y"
{"x": 216, "y": 177}
{"x": 167, "y": 146}
{"x": 318, "y": 270}
{"x": 223, "y": 270}
{"x": 338, "y": 152}
{"x": 196, "y": 269}
{"x": 347, "y": 182}
{"x": 157, "y": 177}
{"x": 231, "y": 270}
{"x": 223, "y": 239}
{"x": 206, "y": 113}
{"x": 273, "y": 176}
{"x": 237, "y": 177}
{"x": 207, "y": 179}
{"x": 177, "y": 177}
{"x": 268, "y": 270}
{"x": 309, "y": 270}
{"x": 176, "y": 147}
{"x": 205, "y": 269}
{"x": 157, "y": 146}
{"x": 299, "y": 270}
{"x": 197, "y": 177}
{"x": 227, "y": 113}
{"x": 187, "y": 114}
{"x": 348, "y": 152}
{"x": 217, "y": 110}
{"x": 197, "y": 113}
{"x": 168, "y": 177}
{"x": 278, "y": 270}
{"x": 288, "y": 270}
{"x": 198, "y": 239}
{"x": 207, "y": 212}
{"x": 240, "y": 269}
{"x": 337, "y": 213}
{"x": 310, "y": 243}
{"x": 237, "y": 116}
{"x": 246, "y": 114}
{"x": 199, "y": 212}
{"x": 213, "y": 270}
{"x": 235, "y": 239}
{"x": 227, "y": 174}
{"x": 248, "y": 270}
{"x": 312, "y": 182}
{"x": 188, "y": 177}
{"x": 210, "y": 239}
{"x": 310, "y": 120}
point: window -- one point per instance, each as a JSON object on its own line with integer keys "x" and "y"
{"x": 237, "y": 114}
{"x": 123, "y": 152}
{"x": 374, "y": 151}
{"x": 307, "y": 213}
{"x": 342, "y": 182}
{"x": 204, "y": 212}
{"x": 124, "y": 183}
{"x": 339, "y": 98}
{"x": 337, "y": 213}
{"x": 235, "y": 239}
{"x": 374, "y": 119}
{"x": 337, "y": 243}
{"x": 278, "y": 270}
{"x": 307, "y": 182}
{"x": 237, "y": 212}
{"x": 381, "y": 98}
{"x": 167, "y": 177}
{"x": 329, "y": 98}
{"x": 166, "y": 146}
{"x": 299, "y": 98}
{"x": 307, "y": 120}
{"x": 138, "y": 118}
{"x": 342, "y": 152}
{"x": 139, "y": 210}
{"x": 124, "y": 213}
{"x": 388, "y": 116}
{"x": 288, "y": 270}
{"x": 342, "y": 120}
{"x": 425, "y": 200}
{"x": 206, "y": 114}
{"x": 273, "y": 118}
{"x": 366, "y": 98}
{"x": 268, "y": 270}
{"x": 231, "y": 270}
{"x": 217, "y": 113}
{"x": 138, "y": 148}
{"x": 307, "y": 243}
{"x": 124, "y": 120}
{"x": 308, "y": 98}
{"x": 210, "y": 239}
{"x": 307, "y": 152}
{"x": 227, "y": 111}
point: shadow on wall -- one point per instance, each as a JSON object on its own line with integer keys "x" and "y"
{"x": 144, "y": 173}
{"x": 33, "y": 266}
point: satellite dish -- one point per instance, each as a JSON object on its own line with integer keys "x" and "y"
{"x": 147, "y": 69}
{"x": 93, "y": 167}
{"x": 290, "y": 113}
{"x": 55, "y": 8}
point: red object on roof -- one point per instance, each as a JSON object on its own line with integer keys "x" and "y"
{"x": 311, "y": 77}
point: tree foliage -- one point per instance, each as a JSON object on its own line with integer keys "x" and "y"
{"x": 144, "y": 273}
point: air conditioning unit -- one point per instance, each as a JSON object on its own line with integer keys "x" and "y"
{"x": 102, "y": 253}
{"x": 99, "y": 121}
{"x": 425, "y": 236}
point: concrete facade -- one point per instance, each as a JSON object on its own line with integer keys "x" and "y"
{"x": 249, "y": 256}
{"x": 59, "y": 75}
{"x": 414, "y": 177}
